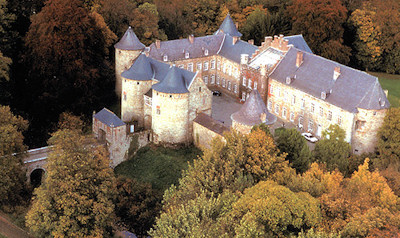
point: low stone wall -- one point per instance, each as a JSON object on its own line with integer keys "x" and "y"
{"x": 204, "y": 136}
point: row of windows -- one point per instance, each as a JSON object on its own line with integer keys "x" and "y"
{"x": 205, "y": 65}
{"x": 165, "y": 57}
{"x": 284, "y": 113}
{"x": 248, "y": 83}
{"x": 224, "y": 83}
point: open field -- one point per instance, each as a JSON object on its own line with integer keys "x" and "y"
{"x": 158, "y": 165}
{"x": 390, "y": 82}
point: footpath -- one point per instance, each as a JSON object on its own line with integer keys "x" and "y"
{"x": 10, "y": 230}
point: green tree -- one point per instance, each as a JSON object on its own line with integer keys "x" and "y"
{"x": 333, "y": 150}
{"x": 12, "y": 183}
{"x": 5, "y": 63}
{"x": 136, "y": 204}
{"x": 7, "y": 34}
{"x": 291, "y": 142}
{"x": 75, "y": 199}
{"x": 321, "y": 23}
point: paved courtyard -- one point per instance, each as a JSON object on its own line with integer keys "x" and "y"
{"x": 222, "y": 108}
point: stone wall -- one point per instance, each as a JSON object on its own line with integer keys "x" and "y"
{"x": 123, "y": 61}
{"x": 366, "y": 126}
{"x": 244, "y": 129}
{"x": 132, "y": 101}
{"x": 203, "y": 136}
{"x": 170, "y": 118}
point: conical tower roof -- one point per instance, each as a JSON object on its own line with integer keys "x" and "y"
{"x": 229, "y": 27}
{"x": 251, "y": 113}
{"x": 129, "y": 41}
{"x": 173, "y": 82}
{"x": 140, "y": 70}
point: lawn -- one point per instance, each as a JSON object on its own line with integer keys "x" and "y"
{"x": 390, "y": 82}
{"x": 158, "y": 165}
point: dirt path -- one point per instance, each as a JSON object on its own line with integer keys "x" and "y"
{"x": 10, "y": 230}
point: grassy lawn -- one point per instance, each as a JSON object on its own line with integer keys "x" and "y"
{"x": 158, "y": 165}
{"x": 390, "y": 82}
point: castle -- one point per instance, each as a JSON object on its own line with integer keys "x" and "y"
{"x": 164, "y": 88}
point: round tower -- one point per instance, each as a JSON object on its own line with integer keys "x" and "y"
{"x": 170, "y": 109}
{"x": 252, "y": 113}
{"x": 136, "y": 82}
{"x": 126, "y": 51}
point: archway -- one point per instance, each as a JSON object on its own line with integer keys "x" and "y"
{"x": 36, "y": 177}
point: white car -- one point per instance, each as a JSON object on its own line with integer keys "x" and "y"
{"x": 309, "y": 137}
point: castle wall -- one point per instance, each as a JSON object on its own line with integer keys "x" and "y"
{"x": 244, "y": 129}
{"x": 367, "y": 124}
{"x": 170, "y": 117}
{"x": 203, "y": 136}
{"x": 132, "y": 101}
{"x": 313, "y": 114}
{"x": 123, "y": 61}
{"x": 228, "y": 76}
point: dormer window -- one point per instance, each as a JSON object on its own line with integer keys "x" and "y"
{"x": 165, "y": 58}
{"x": 323, "y": 95}
{"x": 187, "y": 55}
{"x": 205, "y": 52}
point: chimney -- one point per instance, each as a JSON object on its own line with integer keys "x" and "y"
{"x": 299, "y": 58}
{"x": 251, "y": 42}
{"x": 237, "y": 25}
{"x": 244, "y": 59}
{"x": 268, "y": 41}
{"x": 263, "y": 70}
{"x": 235, "y": 39}
{"x": 336, "y": 73}
{"x": 263, "y": 117}
{"x": 158, "y": 44}
{"x": 191, "y": 39}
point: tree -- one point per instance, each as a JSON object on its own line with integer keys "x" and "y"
{"x": 136, "y": 204}
{"x": 5, "y": 63}
{"x": 333, "y": 150}
{"x": 12, "y": 183}
{"x": 75, "y": 199}
{"x": 6, "y": 32}
{"x": 71, "y": 122}
{"x": 321, "y": 23}
{"x": 291, "y": 142}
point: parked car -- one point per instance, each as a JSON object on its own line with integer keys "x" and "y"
{"x": 216, "y": 93}
{"x": 309, "y": 137}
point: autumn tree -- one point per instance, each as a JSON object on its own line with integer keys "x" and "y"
{"x": 69, "y": 121}
{"x": 136, "y": 204}
{"x": 7, "y": 34}
{"x": 332, "y": 149}
{"x": 12, "y": 183}
{"x": 75, "y": 199}
{"x": 321, "y": 23}
{"x": 291, "y": 142}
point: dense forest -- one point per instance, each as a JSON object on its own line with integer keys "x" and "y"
{"x": 57, "y": 56}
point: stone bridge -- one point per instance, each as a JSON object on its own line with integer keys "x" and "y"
{"x": 35, "y": 164}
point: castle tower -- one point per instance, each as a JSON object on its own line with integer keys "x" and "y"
{"x": 229, "y": 27}
{"x": 126, "y": 51}
{"x": 170, "y": 107}
{"x": 253, "y": 112}
{"x": 135, "y": 83}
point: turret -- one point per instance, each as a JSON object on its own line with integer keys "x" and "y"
{"x": 229, "y": 27}
{"x": 126, "y": 51}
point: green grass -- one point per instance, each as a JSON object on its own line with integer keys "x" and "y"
{"x": 390, "y": 82}
{"x": 2, "y": 236}
{"x": 158, "y": 165}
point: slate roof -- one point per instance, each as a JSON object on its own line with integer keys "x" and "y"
{"x": 109, "y": 118}
{"x": 210, "y": 123}
{"x": 129, "y": 41}
{"x": 298, "y": 42}
{"x": 141, "y": 69}
{"x": 353, "y": 89}
{"x": 173, "y": 82}
{"x": 176, "y": 49}
{"x": 249, "y": 114}
{"x": 228, "y": 27}
{"x": 233, "y": 51}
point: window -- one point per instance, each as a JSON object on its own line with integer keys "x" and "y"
{"x": 360, "y": 125}
{"x": 223, "y": 83}
{"x": 224, "y": 68}
{"x": 292, "y": 117}
{"x": 198, "y": 66}
{"x": 205, "y": 79}
{"x": 219, "y": 65}
{"x": 244, "y": 81}
{"x": 213, "y": 79}
{"x": 230, "y": 69}
{"x": 310, "y": 126}
{"x": 312, "y": 108}
{"x": 278, "y": 92}
{"x": 199, "y": 89}
{"x": 243, "y": 96}
{"x": 181, "y": 66}
{"x": 277, "y": 109}
{"x": 339, "y": 120}
{"x": 205, "y": 52}
{"x": 329, "y": 116}
{"x": 271, "y": 89}
{"x": 300, "y": 122}
{"x": 249, "y": 85}
{"x": 269, "y": 105}
{"x": 321, "y": 111}
{"x": 284, "y": 112}
{"x": 158, "y": 111}
{"x": 165, "y": 58}
{"x": 212, "y": 64}
{"x": 187, "y": 55}
{"x": 190, "y": 67}
{"x": 285, "y": 96}
{"x": 147, "y": 100}
{"x": 206, "y": 65}
{"x": 235, "y": 88}
{"x": 303, "y": 103}
{"x": 229, "y": 85}
{"x": 124, "y": 96}
{"x": 293, "y": 99}
{"x": 255, "y": 84}
{"x": 218, "y": 80}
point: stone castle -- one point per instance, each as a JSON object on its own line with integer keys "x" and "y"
{"x": 164, "y": 89}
